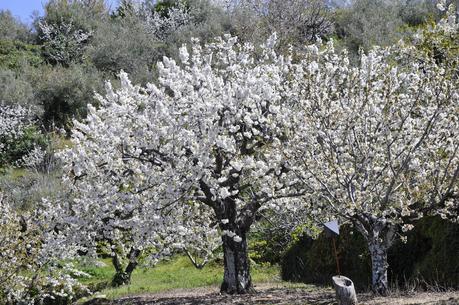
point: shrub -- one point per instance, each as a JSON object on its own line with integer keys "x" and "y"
{"x": 66, "y": 28}
{"x": 434, "y": 246}
{"x": 65, "y": 93}
{"x": 15, "y": 89}
{"x": 15, "y": 54}
{"x": 29, "y": 274}
{"x": 124, "y": 44}
{"x": 18, "y": 134}
{"x": 18, "y": 147}
{"x": 63, "y": 43}
{"x": 206, "y": 21}
{"x": 313, "y": 261}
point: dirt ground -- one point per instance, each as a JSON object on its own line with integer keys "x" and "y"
{"x": 274, "y": 294}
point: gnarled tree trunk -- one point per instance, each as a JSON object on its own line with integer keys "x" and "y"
{"x": 236, "y": 277}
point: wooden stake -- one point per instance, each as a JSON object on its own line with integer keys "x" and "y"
{"x": 336, "y": 256}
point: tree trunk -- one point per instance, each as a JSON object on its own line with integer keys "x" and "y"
{"x": 378, "y": 252}
{"x": 345, "y": 291}
{"x": 236, "y": 277}
{"x": 123, "y": 277}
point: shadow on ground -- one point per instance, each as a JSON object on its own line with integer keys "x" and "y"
{"x": 279, "y": 296}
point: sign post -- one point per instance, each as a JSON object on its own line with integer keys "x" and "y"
{"x": 344, "y": 287}
{"x": 332, "y": 228}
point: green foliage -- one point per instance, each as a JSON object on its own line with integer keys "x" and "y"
{"x": 430, "y": 256}
{"x": 270, "y": 239}
{"x": 83, "y": 14}
{"x": 15, "y": 89}
{"x": 65, "y": 92}
{"x": 267, "y": 250}
{"x": 124, "y": 44}
{"x": 162, "y": 7}
{"x": 26, "y": 186}
{"x": 417, "y": 12}
{"x": 441, "y": 45}
{"x": 15, "y": 54}
{"x": 207, "y": 22}
{"x": 66, "y": 29}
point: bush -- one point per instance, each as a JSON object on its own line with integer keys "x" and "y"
{"x": 415, "y": 13}
{"x": 297, "y": 22}
{"x": 206, "y": 21}
{"x": 15, "y": 89}
{"x": 267, "y": 244}
{"x": 85, "y": 15}
{"x": 63, "y": 43}
{"x": 65, "y": 30}
{"x": 138, "y": 37}
{"x": 430, "y": 257}
{"x": 65, "y": 93}
{"x": 15, "y": 54}
{"x": 313, "y": 261}
{"x": 124, "y": 44}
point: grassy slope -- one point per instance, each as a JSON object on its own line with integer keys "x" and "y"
{"x": 176, "y": 273}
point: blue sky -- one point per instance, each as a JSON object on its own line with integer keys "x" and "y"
{"x": 23, "y": 8}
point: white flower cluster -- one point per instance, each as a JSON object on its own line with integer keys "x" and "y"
{"x": 14, "y": 120}
{"x": 161, "y": 24}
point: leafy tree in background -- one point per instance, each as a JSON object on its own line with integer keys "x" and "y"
{"x": 13, "y": 29}
{"x": 15, "y": 55}
{"x": 125, "y": 44}
{"x": 367, "y": 23}
{"x": 295, "y": 21}
{"x": 15, "y": 90}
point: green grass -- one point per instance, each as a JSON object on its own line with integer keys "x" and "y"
{"x": 175, "y": 273}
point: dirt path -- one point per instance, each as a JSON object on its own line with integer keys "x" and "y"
{"x": 275, "y": 294}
